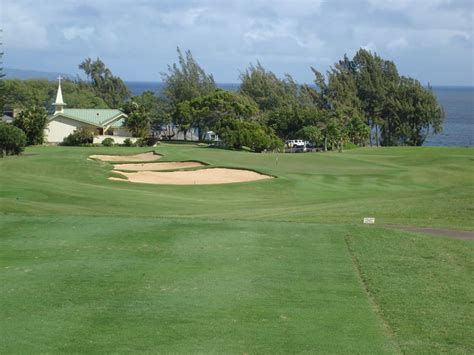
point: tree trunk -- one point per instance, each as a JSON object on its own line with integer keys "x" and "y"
{"x": 377, "y": 135}
{"x": 370, "y": 134}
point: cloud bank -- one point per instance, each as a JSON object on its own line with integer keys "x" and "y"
{"x": 431, "y": 40}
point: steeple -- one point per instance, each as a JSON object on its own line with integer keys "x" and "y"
{"x": 59, "y": 104}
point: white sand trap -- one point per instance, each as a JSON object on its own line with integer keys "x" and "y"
{"x": 196, "y": 177}
{"x": 150, "y": 156}
{"x": 157, "y": 166}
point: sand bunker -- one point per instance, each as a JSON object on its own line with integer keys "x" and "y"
{"x": 150, "y": 156}
{"x": 157, "y": 166}
{"x": 196, "y": 177}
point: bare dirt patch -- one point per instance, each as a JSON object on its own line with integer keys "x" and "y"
{"x": 149, "y": 156}
{"x": 441, "y": 232}
{"x": 196, "y": 177}
{"x": 158, "y": 166}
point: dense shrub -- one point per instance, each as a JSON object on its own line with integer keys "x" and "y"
{"x": 128, "y": 142}
{"x": 147, "y": 142}
{"x": 108, "y": 142}
{"x": 350, "y": 145}
{"x": 12, "y": 140}
{"x": 80, "y": 136}
{"x": 33, "y": 122}
{"x": 237, "y": 134}
{"x": 138, "y": 122}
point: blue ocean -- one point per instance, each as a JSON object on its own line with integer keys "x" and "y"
{"x": 458, "y": 127}
{"x": 457, "y": 102}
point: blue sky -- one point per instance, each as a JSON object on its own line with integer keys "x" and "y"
{"x": 431, "y": 40}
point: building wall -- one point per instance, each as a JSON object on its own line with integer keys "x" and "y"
{"x": 191, "y": 135}
{"x": 117, "y": 139}
{"x": 61, "y": 127}
{"x": 122, "y": 132}
{"x": 172, "y": 130}
{"x": 6, "y": 119}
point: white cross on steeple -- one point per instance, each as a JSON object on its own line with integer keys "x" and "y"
{"x": 59, "y": 104}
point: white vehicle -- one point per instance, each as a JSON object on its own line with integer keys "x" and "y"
{"x": 295, "y": 143}
{"x": 211, "y": 137}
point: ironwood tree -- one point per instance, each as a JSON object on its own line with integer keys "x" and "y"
{"x": 107, "y": 86}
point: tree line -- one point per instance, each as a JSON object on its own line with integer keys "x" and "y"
{"x": 359, "y": 101}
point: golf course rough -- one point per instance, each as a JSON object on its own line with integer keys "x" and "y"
{"x": 277, "y": 266}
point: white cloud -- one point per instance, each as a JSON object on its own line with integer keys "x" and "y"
{"x": 109, "y": 41}
{"x": 187, "y": 17}
{"x": 140, "y": 36}
{"x": 281, "y": 37}
{"x": 22, "y": 29}
{"x": 397, "y": 44}
{"x": 261, "y": 30}
{"x": 292, "y": 8}
{"x": 370, "y": 46}
{"x": 84, "y": 33}
{"x": 399, "y": 5}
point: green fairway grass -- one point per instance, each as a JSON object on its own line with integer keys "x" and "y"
{"x": 427, "y": 186}
{"x": 423, "y": 286}
{"x": 275, "y": 266}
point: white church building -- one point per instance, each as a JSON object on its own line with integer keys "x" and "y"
{"x": 106, "y": 123}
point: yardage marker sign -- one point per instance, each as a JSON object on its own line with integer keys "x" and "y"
{"x": 369, "y": 220}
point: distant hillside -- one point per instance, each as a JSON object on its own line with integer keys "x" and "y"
{"x": 11, "y": 73}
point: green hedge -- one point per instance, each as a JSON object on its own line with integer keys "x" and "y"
{"x": 80, "y": 136}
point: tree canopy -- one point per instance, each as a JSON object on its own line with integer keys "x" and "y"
{"x": 2, "y": 82}
{"x": 107, "y": 86}
{"x": 398, "y": 110}
{"x": 207, "y": 112}
{"x": 138, "y": 118}
{"x": 364, "y": 99}
{"x": 359, "y": 100}
{"x": 266, "y": 89}
{"x": 186, "y": 80}
{"x": 33, "y": 122}
{"x": 2, "y": 74}
{"x": 23, "y": 94}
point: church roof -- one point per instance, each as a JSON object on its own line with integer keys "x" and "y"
{"x": 95, "y": 117}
